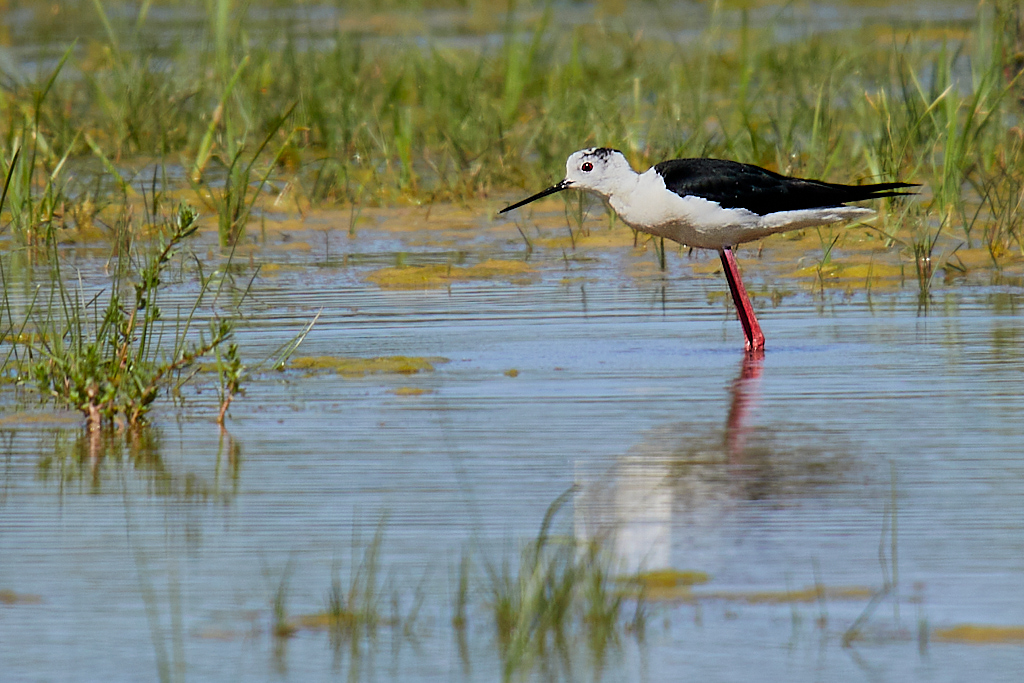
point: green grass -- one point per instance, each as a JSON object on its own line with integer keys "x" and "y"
{"x": 378, "y": 122}
{"x": 559, "y": 587}
{"x": 108, "y": 354}
{"x": 353, "y": 612}
{"x": 109, "y": 359}
{"x": 563, "y": 600}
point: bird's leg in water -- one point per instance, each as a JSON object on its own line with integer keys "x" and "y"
{"x": 751, "y": 328}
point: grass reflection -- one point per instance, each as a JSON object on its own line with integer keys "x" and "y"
{"x": 98, "y": 460}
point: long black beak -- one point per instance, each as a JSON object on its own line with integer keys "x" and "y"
{"x": 551, "y": 190}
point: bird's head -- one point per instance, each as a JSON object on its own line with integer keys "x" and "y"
{"x": 598, "y": 169}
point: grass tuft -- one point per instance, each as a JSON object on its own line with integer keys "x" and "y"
{"x": 108, "y": 358}
{"x": 561, "y": 585}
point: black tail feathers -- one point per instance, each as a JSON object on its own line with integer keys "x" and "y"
{"x": 879, "y": 190}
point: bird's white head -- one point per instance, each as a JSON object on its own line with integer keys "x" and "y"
{"x": 598, "y": 169}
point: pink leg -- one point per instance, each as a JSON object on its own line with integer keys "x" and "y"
{"x": 751, "y": 329}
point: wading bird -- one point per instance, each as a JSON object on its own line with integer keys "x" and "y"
{"x": 714, "y": 204}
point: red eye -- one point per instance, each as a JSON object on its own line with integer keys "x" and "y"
{"x": 587, "y": 167}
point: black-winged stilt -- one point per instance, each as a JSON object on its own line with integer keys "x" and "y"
{"x": 714, "y": 204}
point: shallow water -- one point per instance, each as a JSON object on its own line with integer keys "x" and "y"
{"x": 162, "y": 558}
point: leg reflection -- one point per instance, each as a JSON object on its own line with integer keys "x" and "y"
{"x": 744, "y": 400}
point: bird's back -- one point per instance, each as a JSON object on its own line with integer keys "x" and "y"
{"x": 734, "y": 185}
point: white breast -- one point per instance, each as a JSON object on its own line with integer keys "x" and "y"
{"x": 652, "y": 208}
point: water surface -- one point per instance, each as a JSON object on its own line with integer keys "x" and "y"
{"x": 163, "y": 556}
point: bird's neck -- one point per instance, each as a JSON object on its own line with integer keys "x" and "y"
{"x": 617, "y": 194}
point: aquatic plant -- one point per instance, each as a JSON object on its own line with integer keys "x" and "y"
{"x": 235, "y": 199}
{"x": 355, "y": 610}
{"x": 110, "y": 359}
{"x": 561, "y": 584}
{"x": 33, "y": 209}
{"x": 231, "y": 373}
{"x": 459, "y": 618}
{"x": 889, "y": 563}
{"x": 280, "y": 625}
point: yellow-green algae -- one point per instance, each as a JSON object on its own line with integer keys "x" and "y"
{"x": 669, "y": 587}
{"x": 223, "y": 634}
{"x": 324, "y": 621}
{"x": 360, "y": 367}
{"x": 441, "y": 275}
{"x": 852, "y": 271}
{"x": 411, "y": 391}
{"x": 9, "y": 597}
{"x": 55, "y": 417}
{"x": 979, "y": 634}
{"x": 646, "y": 269}
{"x": 275, "y": 269}
{"x": 666, "y": 584}
{"x": 616, "y": 238}
{"x": 669, "y": 578}
{"x": 808, "y": 594}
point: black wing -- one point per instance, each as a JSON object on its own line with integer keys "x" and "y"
{"x": 745, "y": 186}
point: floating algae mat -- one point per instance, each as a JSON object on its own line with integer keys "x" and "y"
{"x": 360, "y": 367}
{"x": 411, "y": 391}
{"x": 675, "y": 584}
{"x": 668, "y": 578}
{"x": 41, "y": 418}
{"x": 664, "y": 590}
{"x": 9, "y": 597}
{"x": 980, "y": 634}
{"x": 808, "y": 594}
{"x": 441, "y": 275}
{"x": 328, "y": 621}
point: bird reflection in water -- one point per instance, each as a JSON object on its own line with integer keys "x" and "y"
{"x": 674, "y": 484}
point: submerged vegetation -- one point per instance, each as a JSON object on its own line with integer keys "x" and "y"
{"x": 562, "y": 585}
{"x": 560, "y": 595}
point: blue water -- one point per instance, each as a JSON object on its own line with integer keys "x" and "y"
{"x": 163, "y": 559}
